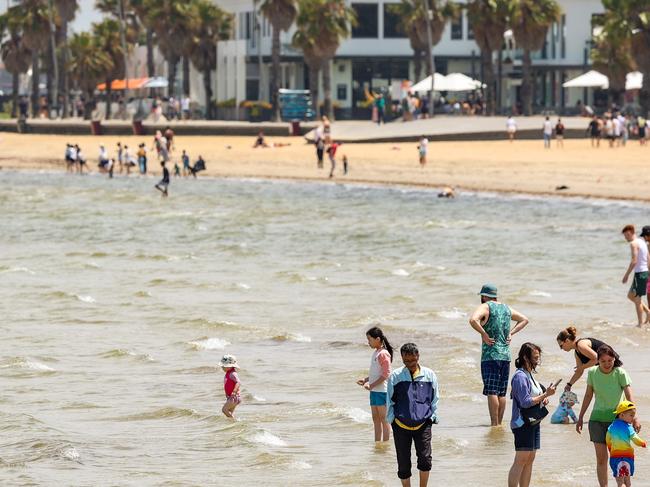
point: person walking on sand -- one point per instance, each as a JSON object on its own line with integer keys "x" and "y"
{"x": 511, "y": 128}
{"x": 492, "y": 320}
{"x": 331, "y": 152}
{"x": 638, "y": 264}
{"x": 231, "y": 385}
{"x": 559, "y": 133}
{"x": 548, "y": 133}
{"x": 413, "y": 397}
{"x": 594, "y": 130}
{"x": 585, "y": 350}
{"x": 422, "y": 150}
{"x": 608, "y": 383}
{"x": 526, "y": 393}
{"x": 376, "y": 380}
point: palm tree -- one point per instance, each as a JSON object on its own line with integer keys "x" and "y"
{"x": 15, "y": 55}
{"x": 214, "y": 25}
{"x": 303, "y": 41}
{"x": 413, "y": 21}
{"x": 141, "y": 12}
{"x": 107, "y": 37}
{"x": 281, "y": 14}
{"x": 36, "y": 36}
{"x": 530, "y": 20}
{"x": 406, "y": 12}
{"x": 326, "y": 22}
{"x": 174, "y": 22}
{"x": 612, "y": 47}
{"x": 489, "y": 19}
{"x": 639, "y": 13}
{"x": 88, "y": 65}
{"x": 66, "y": 10}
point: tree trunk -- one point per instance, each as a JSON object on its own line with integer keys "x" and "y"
{"x": 526, "y": 88}
{"x": 63, "y": 73}
{"x": 49, "y": 80}
{"x": 275, "y": 74}
{"x": 171, "y": 76}
{"x": 327, "y": 90}
{"x": 35, "y": 81}
{"x": 88, "y": 105}
{"x": 644, "y": 94}
{"x": 109, "y": 95}
{"x": 207, "y": 86}
{"x": 186, "y": 75}
{"x": 499, "y": 80}
{"x": 314, "y": 71}
{"x": 15, "y": 81}
{"x": 488, "y": 75}
{"x": 417, "y": 65}
{"x": 151, "y": 68}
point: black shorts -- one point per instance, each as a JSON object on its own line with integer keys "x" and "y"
{"x": 527, "y": 438}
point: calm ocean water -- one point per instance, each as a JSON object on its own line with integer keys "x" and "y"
{"x": 117, "y": 306}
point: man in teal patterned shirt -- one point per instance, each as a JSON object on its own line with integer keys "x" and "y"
{"x": 492, "y": 320}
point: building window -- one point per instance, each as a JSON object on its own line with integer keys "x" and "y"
{"x": 457, "y": 28}
{"x": 368, "y": 21}
{"x": 391, "y": 23}
{"x": 470, "y": 30}
{"x": 554, "y": 40}
{"x": 341, "y": 92}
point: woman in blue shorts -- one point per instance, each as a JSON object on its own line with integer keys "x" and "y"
{"x": 380, "y": 369}
{"x": 526, "y": 393}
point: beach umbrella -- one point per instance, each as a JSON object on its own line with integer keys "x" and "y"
{"x": 634, "y": 80}
{"x": 461, "y": 82}
{"x": 590, "y": 79}
{"x": 120, "y": 84}
{"x": 425, "y": 84}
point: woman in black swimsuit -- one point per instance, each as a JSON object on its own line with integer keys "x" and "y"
{"x": 585, "y": 351}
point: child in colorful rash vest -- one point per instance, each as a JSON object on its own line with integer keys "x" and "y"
{"x": 376, "y": 380}
{"x": 620, "y": 436}
{"x": 231, "y": 385}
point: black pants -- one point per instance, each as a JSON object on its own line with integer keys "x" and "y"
{"x": 319, "y": 154}
{"x": 403, "y": 439}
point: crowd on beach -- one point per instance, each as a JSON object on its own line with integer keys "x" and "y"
{"x": 405, "y": 400}
{"x": 615, "y": 127}
{"x": 126, "y": 159}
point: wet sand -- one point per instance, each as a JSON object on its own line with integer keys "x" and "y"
{"x": 500, "y": 166}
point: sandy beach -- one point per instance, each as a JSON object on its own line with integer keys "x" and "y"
{"x": 501, "y": 166}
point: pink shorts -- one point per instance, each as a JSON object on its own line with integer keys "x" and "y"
{"x": 234, "y": 399}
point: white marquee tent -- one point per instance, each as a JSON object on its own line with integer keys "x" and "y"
{"x": 594, "y": 79}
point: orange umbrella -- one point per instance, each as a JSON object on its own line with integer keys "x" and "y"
{"x": 120, "y": 84}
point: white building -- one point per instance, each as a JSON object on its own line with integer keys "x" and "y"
{"x": 377, "y": 55}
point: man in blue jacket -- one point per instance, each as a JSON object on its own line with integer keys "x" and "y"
{"x": 412, "y": 396}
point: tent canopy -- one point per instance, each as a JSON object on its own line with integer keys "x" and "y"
{"x": 594, "y": 79}
{"x": 451, "y": 82}
{"x": 461, "y": 82}
{"x": 135, "y": 84}
{"x": 425, "y": 84}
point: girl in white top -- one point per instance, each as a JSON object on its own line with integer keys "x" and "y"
{"x": 376, "y": 381}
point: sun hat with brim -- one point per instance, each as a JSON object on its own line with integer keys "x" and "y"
{"x": 229, "y": 361}
{"x": 624, "y": 406}
{"x": 489, "y": 291}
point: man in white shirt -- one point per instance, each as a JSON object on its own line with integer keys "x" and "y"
{"x": 548, "y": 133}
{"x": 638, "y": 264}
{"x": 511, "y": 128}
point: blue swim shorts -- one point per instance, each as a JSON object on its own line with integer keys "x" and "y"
{"x": 378, "y": 398}
{"x": 495, "y": 375}
{"x": 622, "y": 467}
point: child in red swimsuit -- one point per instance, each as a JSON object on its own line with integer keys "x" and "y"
{"x": 231, "y": 385}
